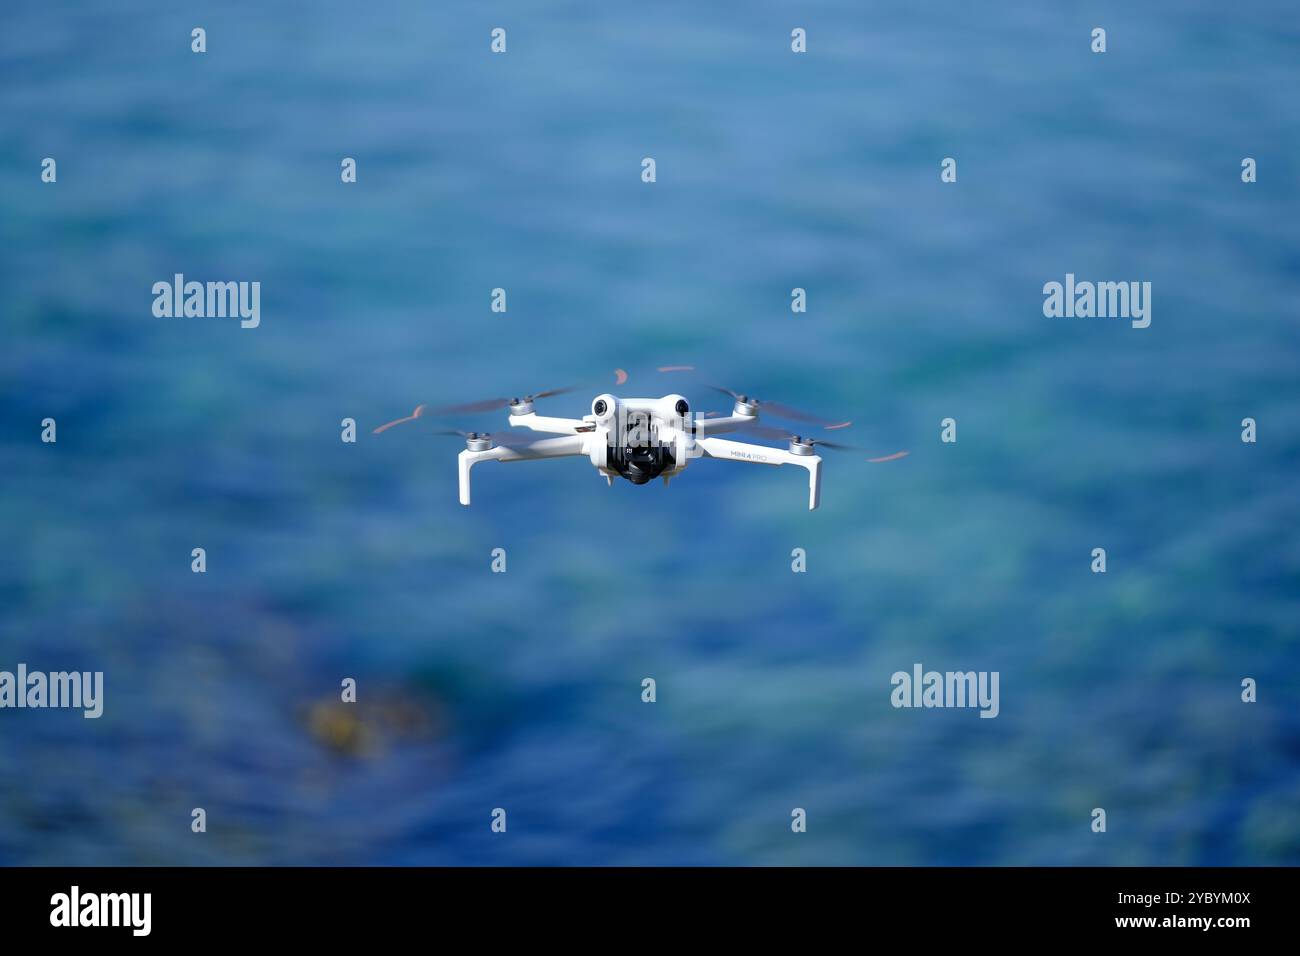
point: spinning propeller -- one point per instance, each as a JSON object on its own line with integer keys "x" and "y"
{"x": 419, "y": 412}
{"x": 800, "y": 442}
{"x": 775, "y": 409}
{"x": 492, "y": 404}
{"x": 783, "y": 434}
{"x": 520, "y": 405}
{"x": 506, "y": 439}
{"x": 780, "y": 410}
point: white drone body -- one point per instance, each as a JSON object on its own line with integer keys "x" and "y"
{"x": 639, "y": 439}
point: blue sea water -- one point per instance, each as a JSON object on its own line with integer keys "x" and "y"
{"x": 522, "y": 690}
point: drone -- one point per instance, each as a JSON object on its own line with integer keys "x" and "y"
{"x": 637, "y": 439}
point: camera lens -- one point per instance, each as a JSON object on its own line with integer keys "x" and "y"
{"x": 682, "y": 407}
{"x": 600, "y": 408}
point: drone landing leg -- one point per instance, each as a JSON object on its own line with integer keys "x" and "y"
{"x": 764, "y": 455}
{"x": 564, "y": 446}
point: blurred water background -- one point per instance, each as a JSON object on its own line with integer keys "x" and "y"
{"x": 522, "y": 690}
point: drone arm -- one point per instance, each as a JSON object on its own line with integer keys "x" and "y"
{"x": 560, "y": 426}
{"x": 764, "y": 455}
{"x": 716, "y": 426}
{"x": 560, "y": 447}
